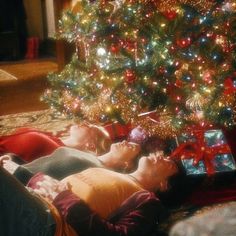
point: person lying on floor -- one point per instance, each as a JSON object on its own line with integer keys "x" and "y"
{"x": 95, "y": 202}
{"x": 30, "y": 144}
{"x": 65, "y": 161}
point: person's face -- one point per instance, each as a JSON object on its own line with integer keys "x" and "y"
{"x": 158, "y": 167}
{"x": 125, "y": 153}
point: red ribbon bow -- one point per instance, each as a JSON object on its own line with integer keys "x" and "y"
{"x": 200, "y": 151}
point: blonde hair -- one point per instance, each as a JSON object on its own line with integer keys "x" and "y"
{"x": 102, "y": 140}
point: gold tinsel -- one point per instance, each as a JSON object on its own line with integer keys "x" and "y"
{"x": 196, "y": 102}
{"x": 161, "y": 127}
{"x": 167, "y": 5}
{"x": 109, "y": 106}
{"x": 126, "y": 107}
{"x": 94, "y": 111}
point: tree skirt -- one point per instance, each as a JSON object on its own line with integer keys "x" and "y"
{"x": 45, "y": 120}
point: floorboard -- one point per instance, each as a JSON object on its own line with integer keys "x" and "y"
{"x": 23, "y": 94}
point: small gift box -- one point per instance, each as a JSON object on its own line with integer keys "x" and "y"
{"x": 117, "y": 131}
{"x": 204, "y": 152}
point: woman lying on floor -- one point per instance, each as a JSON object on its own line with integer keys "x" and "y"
{"x": 94, "y": 202}
{"x": 29, "y": 144}
{"x": 66, "y": 161}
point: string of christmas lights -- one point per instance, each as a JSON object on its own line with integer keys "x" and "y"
{"x": 136, "y": 56}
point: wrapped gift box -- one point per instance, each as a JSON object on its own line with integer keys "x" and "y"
{"x": 205, "y": 152}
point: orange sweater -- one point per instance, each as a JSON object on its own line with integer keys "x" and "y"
{"x": 103, "y": 190}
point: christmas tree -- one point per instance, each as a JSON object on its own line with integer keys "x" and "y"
{"x": 175, "y": 59}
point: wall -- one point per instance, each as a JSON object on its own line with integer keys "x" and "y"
{"x": 50, "y": 18}
{"x": 34, "y": 18}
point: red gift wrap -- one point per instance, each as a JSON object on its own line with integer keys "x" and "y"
{"x": 198, "y": 150}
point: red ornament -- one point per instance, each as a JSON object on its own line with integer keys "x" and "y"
{"x": 161, "y": 70}
{"x": 183, "y": 43}
{"x": 229, "y": 86}
{"x": 114, "y": 48}
{"x": 170, "y": 14}
{"x": 178, "y": 83}
{"x": 174, "y": 90}
{"x": 129, "y": 45}
{"x": 130, "y": 76}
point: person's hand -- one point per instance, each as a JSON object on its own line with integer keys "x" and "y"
{"x": 4, "y": 158}
{"x": 7, "y": 163}
{"x": 49, "y": 188}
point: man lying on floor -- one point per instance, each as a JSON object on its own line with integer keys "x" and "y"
{"x": 94, "y": 202}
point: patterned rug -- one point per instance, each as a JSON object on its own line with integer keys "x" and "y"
{"x": 45, "y": 120}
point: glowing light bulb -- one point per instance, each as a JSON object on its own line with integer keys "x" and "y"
{"x": 101, "y": 52}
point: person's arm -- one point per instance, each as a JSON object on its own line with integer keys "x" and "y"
{"x": 62, "y": 162}
{"x": 137, "y": 216}
{"x": 22, "y": 174}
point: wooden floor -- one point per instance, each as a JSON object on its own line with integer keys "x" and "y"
{"x": 24, "y": 94}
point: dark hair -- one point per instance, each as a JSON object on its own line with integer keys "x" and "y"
{"x": 153, "y": 144}
{"x": 180, "y": 187}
